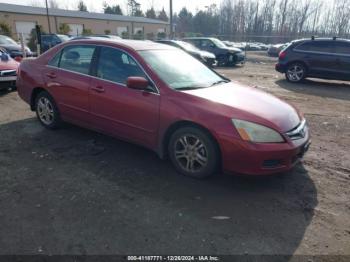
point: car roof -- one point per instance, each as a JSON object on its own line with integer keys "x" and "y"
{"x": 136, "y": 45}
{"x": 321, "y": 39}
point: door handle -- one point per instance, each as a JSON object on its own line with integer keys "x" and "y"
{"x": 51, "y": 75}
{"x": 98, "y": 89}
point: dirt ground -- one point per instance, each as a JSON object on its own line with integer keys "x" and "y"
{"x": 73, "y": 191}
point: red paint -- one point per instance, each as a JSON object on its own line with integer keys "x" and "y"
{"x": 144, "y": 118}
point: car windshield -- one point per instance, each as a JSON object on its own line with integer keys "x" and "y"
{"x": 180, "y": 70}
{"x": 218, "y": 43}
{"x": 63, "y": 38}
{"x": 187, "y": 46}
{"x": 4, "y": 40}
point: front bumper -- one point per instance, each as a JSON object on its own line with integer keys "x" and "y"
{"x": 240, "y": 58}
{"x": 7, "y": 84}
{"x": 242, "y": 157}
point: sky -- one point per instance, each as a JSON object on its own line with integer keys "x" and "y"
{"x": 97, "y": 5}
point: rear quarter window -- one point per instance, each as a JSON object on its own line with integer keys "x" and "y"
{"x": 314, "y": 46}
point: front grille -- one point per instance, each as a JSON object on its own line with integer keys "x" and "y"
{"x": 298, "y": 132}
{"x": 8, "y": 73}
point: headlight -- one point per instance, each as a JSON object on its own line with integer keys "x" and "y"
{"x": 256, "y": 133}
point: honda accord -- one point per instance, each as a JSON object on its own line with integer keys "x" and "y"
{"x": 162, "y": 98}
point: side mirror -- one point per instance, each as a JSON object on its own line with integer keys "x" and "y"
{"x": 136, "y": 82}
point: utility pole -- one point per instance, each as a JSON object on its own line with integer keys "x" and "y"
{"x": 48, "y": 18}
{"x": 171, "y": 20}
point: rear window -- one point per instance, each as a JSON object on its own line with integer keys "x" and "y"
{"x": 319, "y": 46}
{"x": 342, "y": 48}
{"x": 77, "y": 58}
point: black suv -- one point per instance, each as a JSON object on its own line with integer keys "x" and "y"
{"x": 50, "y": 40}
{"x": 224, "y": 55}
{"x": 203, "y": 56}
{"x": 320, "y": 58}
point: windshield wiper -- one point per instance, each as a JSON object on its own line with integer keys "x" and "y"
{"x": 188, "y": 87}
{"x": 219, "y": 82}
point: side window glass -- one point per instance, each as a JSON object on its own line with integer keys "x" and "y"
{"x": 321, "y": 46}
{"x": 77, "y": 58}
{"x": 116, "y": 66}
{"x": 55, "y": 60}
{"x": 342, "y": 48}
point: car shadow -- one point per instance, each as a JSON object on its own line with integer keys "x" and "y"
{"x": 322, "y": 88}
{"x": 74, "y": 191}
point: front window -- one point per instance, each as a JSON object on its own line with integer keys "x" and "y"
{"x": 179, "y": 70}
{"x": 187, "y": 46}
{"x": 218, "y": 43}
{"x": 116, "y": 66}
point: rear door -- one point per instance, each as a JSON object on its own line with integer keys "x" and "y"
{"x": 118, "y": 110}
{"x": 67, "y": 79}
{"x": 320, "y": 57}
{"x": 342, "y": 50}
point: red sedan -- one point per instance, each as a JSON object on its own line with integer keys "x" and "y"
{"x": 164, "y": 99}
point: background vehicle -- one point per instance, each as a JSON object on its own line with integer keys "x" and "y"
{"x": 274, "y": 50}
{"x": 166, "y": 100}
{"x": 225, "y": 55}
{"x": 321, "y": 58}
{"x": 8, "y": 71}
{"x": 50, "y": 40}
{"x": 96, "y": 36}
{"x": 203, "y": 56}
{"x": 13, "y": 48}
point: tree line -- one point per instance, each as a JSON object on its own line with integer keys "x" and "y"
{"x": 267, "y": 20}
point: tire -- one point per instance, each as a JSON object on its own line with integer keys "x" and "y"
{"x": 222, "y": 61}
{"x": 295, "y": 73}
{"x": 46, "y": 111}
{"x": 193, "y": 152}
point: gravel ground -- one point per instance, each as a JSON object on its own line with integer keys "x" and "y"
{"x": 73, "y": 191}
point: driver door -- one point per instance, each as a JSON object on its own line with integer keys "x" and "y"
{"x": 118, "y": 110}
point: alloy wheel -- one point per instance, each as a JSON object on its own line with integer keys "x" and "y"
{"x": 45, "y": 111}
{"x": 295, "y": 73}
{"x": 191, "y": 153}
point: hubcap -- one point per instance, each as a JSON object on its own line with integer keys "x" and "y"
{"x": 45, "y": 111}
{"x": 191, "y": 153}
{"x": 295, "y": 73}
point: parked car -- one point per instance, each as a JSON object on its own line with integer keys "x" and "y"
{"x": 164, "y": 99}
{"x": 203, "y": 56}
{"x": 274, "y": 50}
{"x": 225, "y": 55}
{"x": 51, "y": 40}
{"x": 321, "y": 58}
{"x": 8, "y": 71}
{"x": 13, "y": 48}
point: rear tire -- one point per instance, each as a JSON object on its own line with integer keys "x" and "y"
{"x": 47, "y": 111}
{"x": 193, "y": 152}
{"x": 296, "y": 72}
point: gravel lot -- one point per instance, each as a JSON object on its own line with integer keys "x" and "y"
{"x": 73, "y": 191}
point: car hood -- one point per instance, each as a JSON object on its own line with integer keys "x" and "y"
{"x": 12, "y": 47}
{"x": 234, "y": 49}
{"x": 10, "y": 64}
{"x": 250, "y": 103}
{"x": 206, "y": 54}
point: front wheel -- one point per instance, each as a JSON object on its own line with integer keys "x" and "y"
{"x": 46, "y": 111}
{"x": 296, "y": 72}
{"x": 193, "y": 152}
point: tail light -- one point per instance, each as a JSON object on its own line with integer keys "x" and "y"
{"x": 282, "y": 55}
